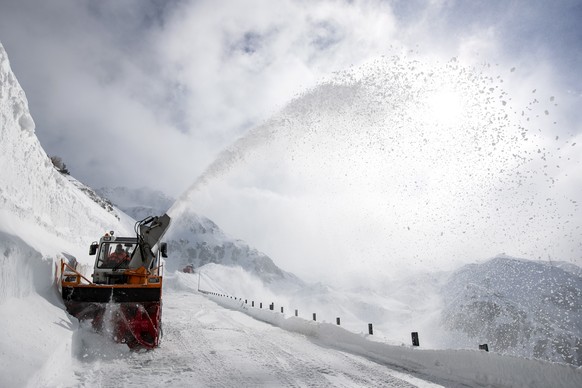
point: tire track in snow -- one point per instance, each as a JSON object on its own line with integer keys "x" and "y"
{"x": 205, "y": 345}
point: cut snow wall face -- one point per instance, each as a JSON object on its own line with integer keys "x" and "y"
{"x": 13, "y": 102}
{"x": 22, "y": 268}
{"x": 28, "y": 175}
{"x": 33, "y": 193}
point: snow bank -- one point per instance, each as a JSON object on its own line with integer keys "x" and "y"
{"x": 36, "y": 340}
{"x": 442, "y": 366}
{"x": 448, "y": 367}
{"x": 37, "y": 331}
{"x": 395, "y": 307}
{"x": 515, "y": 306}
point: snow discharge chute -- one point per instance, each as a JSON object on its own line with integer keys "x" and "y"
{"x": 125, "y": 295}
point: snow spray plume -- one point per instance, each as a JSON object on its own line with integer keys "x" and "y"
{"x": 231, "y": 156}
{"x": 257, "y": 138}
{"x": 401, "y": 160}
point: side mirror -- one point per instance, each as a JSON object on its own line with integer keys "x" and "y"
{"x": 164, "y": 249}
{"x": 93, "y": 248}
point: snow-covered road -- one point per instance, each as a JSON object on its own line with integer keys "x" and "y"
{"x": 205, "y": 345}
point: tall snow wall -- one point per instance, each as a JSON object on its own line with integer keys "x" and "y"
{"x": 43, "y": 216}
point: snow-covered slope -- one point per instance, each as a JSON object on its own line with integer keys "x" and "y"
{"x": 43, "y": 216}
{"x": 196, "y": 240}
{"x": 33, "y": 191}
{"x": 519, "y": 307}
{"x": 138, "y": 203}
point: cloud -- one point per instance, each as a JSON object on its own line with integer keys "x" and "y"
{"x": 189, "y": 75}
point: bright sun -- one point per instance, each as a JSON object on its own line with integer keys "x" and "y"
{"x": 446, "y": 107}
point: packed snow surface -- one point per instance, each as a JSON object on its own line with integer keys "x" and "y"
{"x": 205, "y": 345}
{"x": 212, "y": 340}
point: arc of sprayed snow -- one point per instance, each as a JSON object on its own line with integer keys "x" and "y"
{"x": 228, "y": 158}
{"x": 258, "y": 137}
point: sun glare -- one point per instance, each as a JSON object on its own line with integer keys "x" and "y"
{"x": 446, "y": 107}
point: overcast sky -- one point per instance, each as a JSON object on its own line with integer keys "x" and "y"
{"x": 149, "y": 92}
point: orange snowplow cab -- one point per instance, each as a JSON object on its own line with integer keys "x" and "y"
{"x": 130, "y": 290}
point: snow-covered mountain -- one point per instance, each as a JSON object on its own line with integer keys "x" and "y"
{"x": 196, "y": 240}
{"x": 94, "y": 195}
{"x": 138, "y": 203}
{"x": 519, "y": 307}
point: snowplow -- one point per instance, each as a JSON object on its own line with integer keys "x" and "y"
{"x": 124, "y": 297}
